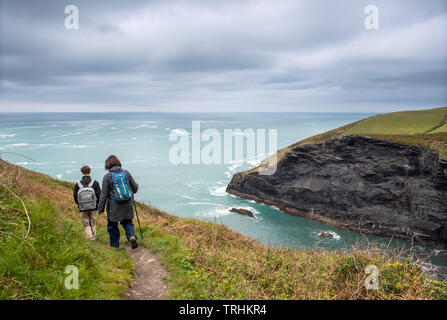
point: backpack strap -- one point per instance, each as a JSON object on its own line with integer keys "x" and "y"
{"x": 80, "y": 185}
{"x": 91, "y": 183}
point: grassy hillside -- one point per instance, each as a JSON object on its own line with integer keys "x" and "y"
{"x": 402, "y": 123}
{"x": 204, "y": 260}
{"x": 34, "y": 253}
{"x": 426, "y": 128}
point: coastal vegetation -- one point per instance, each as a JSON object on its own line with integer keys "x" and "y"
{"x": 204, "y": 260}
{"x": 40, "y": 237}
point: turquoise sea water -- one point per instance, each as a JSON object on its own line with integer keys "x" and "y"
{"x": 60, "y": 143}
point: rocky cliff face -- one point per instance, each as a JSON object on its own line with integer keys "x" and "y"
{"x": 358, "y": 183}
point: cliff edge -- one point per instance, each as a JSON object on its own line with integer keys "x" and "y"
{"x": 358, "y": 183}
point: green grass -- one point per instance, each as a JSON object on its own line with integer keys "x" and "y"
{"x": 176, "y": 257}
{"x": 34, "y": 268}
{"x": 209, "y": 261}
{"x": 426, "y": 128}
{"x": 441, "y": 127}
{"x": 406, "y": 122}
{"x": 204, "y": 260}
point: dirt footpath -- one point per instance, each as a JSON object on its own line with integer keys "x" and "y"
{"x": 149, "y": 281}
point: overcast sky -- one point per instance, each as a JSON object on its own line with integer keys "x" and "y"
{"x": 223, "y": 56}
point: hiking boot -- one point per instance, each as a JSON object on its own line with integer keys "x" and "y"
{"x": 133, "y": 242}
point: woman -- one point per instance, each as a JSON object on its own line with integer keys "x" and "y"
{"x": 118, "y": 187}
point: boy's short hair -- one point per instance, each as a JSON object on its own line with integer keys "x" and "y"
{"x": 85, "y": 170}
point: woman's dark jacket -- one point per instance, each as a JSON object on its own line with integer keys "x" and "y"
{"x": 116, "y": 212}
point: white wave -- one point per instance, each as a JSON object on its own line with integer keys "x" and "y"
{"x": 25, "y": 163}
{"x": 218, "y": 191}
{"x": 77, "y": 133}
{"x": 92, "y": 128}
{"x": 214, "y": 121}
{"x": 235, "y": 133}
{"x": 43, "y": 145}
{"x": 236, "y": 162}
{"x": 142, "y": 126}
{"x": 179, "y": 132}
{"x": 223, "y": 211}
{"x": 59, "y": 176}
{"x": 254, "y": 162}
{"x": 77, "y": 146}
{"x": 17, "y": 145}
{"x": 202, "y": 203}
{"x": 192, "y": 184}
{"x": 234, "y": 167}
{"x": 185, "y": 196}
{"x": 214, "y": 213}
{"x": 137, "y": 161}
{"x": 6, "y": 136}
{"x": 39, "y": 145}
{"x": 42, "y": 163}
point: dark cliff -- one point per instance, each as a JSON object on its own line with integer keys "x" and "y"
{"x": 358, "y": 183}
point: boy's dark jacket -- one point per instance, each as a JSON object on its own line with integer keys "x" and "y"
{"x": 85, "y": 181}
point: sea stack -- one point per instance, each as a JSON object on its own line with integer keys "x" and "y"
{"x": 243, "y": 211}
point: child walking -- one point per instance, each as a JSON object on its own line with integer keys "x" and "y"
{"x": 86, "y": 194}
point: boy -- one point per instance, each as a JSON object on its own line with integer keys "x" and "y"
{"x": 86, "y": 194}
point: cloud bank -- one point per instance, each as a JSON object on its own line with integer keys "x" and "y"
{"x": 192, "y": 55}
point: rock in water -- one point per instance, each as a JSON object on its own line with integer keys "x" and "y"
{"x": 326, "y": 235}
{"x": 360, "y": 184}
{"x": 243, "y": 211}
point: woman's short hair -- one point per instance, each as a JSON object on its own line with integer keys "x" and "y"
{"x": 85, "y": 170}
{"x": 112, "y": 161}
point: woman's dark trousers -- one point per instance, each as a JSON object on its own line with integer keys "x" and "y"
{"x": 114, "y": 232}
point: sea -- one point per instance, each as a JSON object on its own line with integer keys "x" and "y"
{"x": 59, "y": 144}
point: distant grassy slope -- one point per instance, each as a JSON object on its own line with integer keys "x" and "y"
{"x": 426, "y": 128}
{"x": 400, "y": 123}
{"x": 204, "y": 260}
{"x": 442, "y": 127}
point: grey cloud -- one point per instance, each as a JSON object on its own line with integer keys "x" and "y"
{"x": 192, "y": 55}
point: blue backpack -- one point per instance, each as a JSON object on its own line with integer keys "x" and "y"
{"x": 121, "y": 191}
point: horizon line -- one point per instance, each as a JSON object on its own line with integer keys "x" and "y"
{"x": 176, "y": 112}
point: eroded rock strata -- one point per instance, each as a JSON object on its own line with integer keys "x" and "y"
{"x": 360, "y": 184}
